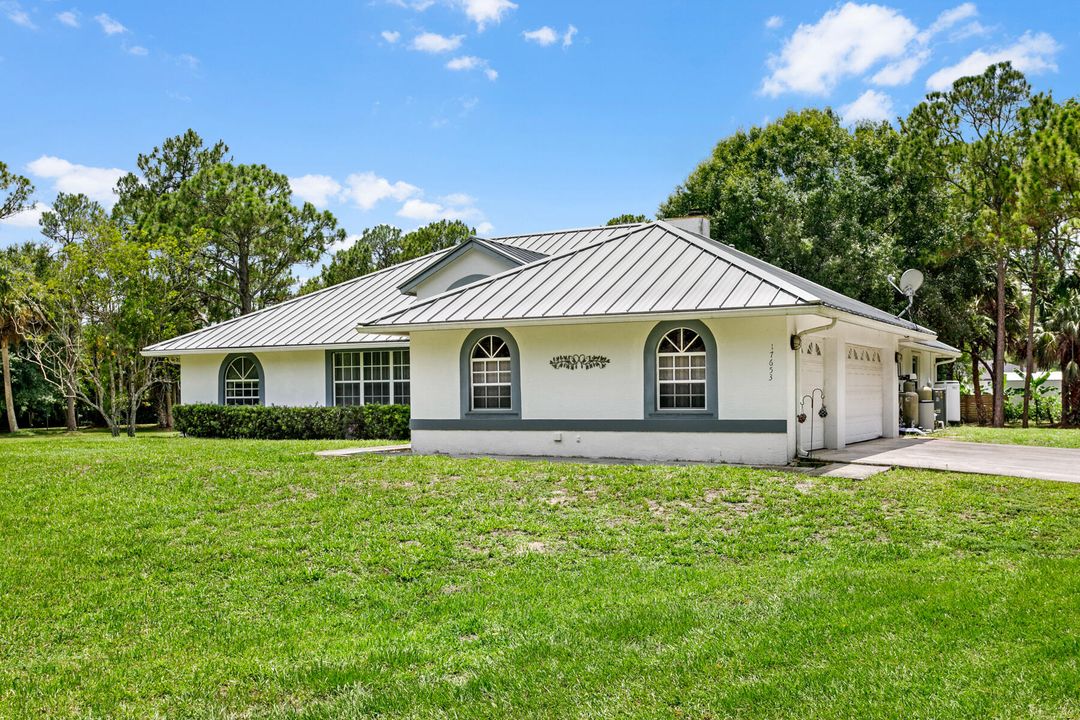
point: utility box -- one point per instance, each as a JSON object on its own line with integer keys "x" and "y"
{"x": 952, "y": 400}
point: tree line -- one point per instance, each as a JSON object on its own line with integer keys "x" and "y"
{"x": 194, "y": 238}
{"x": 978, "y": 186}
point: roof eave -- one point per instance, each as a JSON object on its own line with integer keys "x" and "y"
{"x": 150, "y": 352}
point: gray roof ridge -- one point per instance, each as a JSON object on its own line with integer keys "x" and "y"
{"x": 587, "y": 228}
{"x": 292, "y": 300}
{"x": 505, "y": 248}
{"x": 521, "y": 268}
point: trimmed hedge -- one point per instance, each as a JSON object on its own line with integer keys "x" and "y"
{"x": 274, "y": 422}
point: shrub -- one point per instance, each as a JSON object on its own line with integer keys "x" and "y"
{"x": 258, "y": 422}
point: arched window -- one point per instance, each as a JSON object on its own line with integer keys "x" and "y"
{"x": 491, "y": 374}
{"x": 680, "y": 371}
{"x": 242, "y": 381}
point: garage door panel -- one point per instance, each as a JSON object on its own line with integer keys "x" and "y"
{"x": 811, "y": 377}
{"x": 863, "y": 394}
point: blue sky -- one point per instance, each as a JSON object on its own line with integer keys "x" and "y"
{"x": 515, "y": 116}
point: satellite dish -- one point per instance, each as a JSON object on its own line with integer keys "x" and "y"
{"x": 911, "y": 281}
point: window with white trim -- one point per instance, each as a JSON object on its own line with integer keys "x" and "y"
{"x": 371, "y": 377}
{"x": 491, "y": 374}
{"x": 680, "y": 371}
{"x": 242, "y": 381}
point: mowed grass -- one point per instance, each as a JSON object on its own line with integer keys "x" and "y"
{"x": 1041, "y": 436}
{"x": 186, "y": 578}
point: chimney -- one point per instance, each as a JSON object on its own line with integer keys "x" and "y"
{"x": 694, "y": 222}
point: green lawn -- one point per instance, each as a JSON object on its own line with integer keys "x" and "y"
{"x": 190, "y": 578}
{"x": 1045, "y": 437}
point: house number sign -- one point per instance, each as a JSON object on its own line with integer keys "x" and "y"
{"x": 579, "y": 362}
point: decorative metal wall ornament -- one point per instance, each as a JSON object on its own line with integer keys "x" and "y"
{"x": 579, "y": 362}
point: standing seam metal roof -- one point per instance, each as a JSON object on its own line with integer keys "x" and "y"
{"x": 652, "y": 268}
{"x": 329, "y": 317}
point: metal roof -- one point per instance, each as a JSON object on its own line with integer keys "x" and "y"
{"x": 935, "y": 346}
{"x": 651, "y": 268}
{"x": 329, "y": 317}
{"x": 518, "y": 253}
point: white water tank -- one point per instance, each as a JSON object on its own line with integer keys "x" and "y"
{"x": 952, "y": 399}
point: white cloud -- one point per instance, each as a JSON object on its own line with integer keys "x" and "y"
{"x": 971, "y": 29}
{"x": 470, "y": 62}
{"x": 138, "y": 50}
{"x": 17, "y": 15}
{"x": 318, "y": 190}
{"x": 848, "y": 40}
{"x": 458, "y": 199}
{"x": 417, "y": 5}
{"x": 426, "y": 211}
{"x": 902, "y": 71}
{"x": 434, "y": 43}
{"x": 367, "y": 189}
{"x": 568, "y": 36}
{"x": 774, "y": 22}
{"x": 69, "y": 18}
{"x": 28, "y": 218}
{"x": 391, "y": 36}
{"x": 465, "y": 62}
{"x": 947, "y": 19}
{"x": 187, "y": 60}
{"x": 543, "y": 36}
{"x": 423, "y": 210}
{"x": 872, "y": 105}
{"x": 1032, "y": 53}
{"x": 110, "y": 26}
{"x": 455, "y": 206}
{"x": 96, "y": 183}
{"x": 547, "y": 35}
{"x": 483, "y": 12}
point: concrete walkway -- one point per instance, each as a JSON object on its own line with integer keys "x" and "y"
{"x": 376, "y": 450}
{"x": 1040, "y": 463}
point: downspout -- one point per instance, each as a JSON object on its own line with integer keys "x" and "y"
{"x": 796, "y": 344}
{"x": 939, "y": 363}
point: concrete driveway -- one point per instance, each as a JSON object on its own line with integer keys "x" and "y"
{"x": 1040, "y": 463}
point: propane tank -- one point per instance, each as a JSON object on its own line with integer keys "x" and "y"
{"x": 910, "y": 405}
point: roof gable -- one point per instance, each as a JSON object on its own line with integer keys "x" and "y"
{"x": 506, "y": 255}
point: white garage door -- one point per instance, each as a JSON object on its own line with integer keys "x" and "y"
{"x": 811, "y": 377}
{"x": 863, "y": 396}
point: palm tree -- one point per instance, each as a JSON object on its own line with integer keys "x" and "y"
{"x": 1059, "y": 345}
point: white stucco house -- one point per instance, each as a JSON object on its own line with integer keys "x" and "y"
{"x": 647, "y": 341}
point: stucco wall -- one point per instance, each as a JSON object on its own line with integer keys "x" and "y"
{"x": 295, "y": 377}
{"x": 292, "y": 377}
{"x": 745, "y": 390}
{"x": 199, "y": 378}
